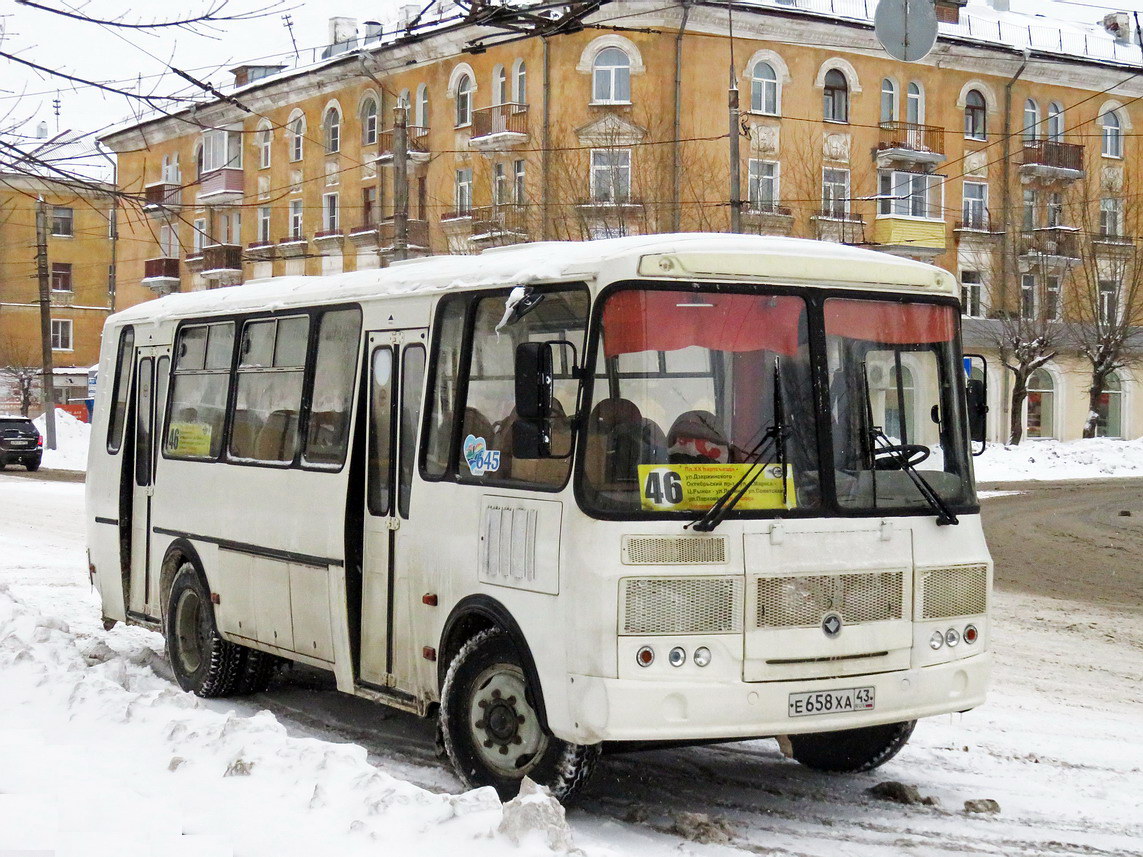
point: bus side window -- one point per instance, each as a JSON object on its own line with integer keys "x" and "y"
{"x": 412, "y": 379}
{"x": 334, "y": 368}
{"x": 199, "y": 387}
{"x": 124, "y": 359}
{"x": 441, "y": 406}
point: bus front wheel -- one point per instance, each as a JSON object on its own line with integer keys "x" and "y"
{"x": 201, "y": 660}
{"x": 491, "y": 731}
{"x": 852, "y": 750}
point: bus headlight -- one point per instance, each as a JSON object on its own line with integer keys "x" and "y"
{"x": 702, "y": 656}
{"x": 952, "y": 637}
{"x": 936, "y": 640}
{"x": 677, "y": 656}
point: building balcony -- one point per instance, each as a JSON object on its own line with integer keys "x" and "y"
{"x": 416, "y": 234}
{"x": 910, "y": 142}
{"x": 161, "y": 197}
{"x": 761, "y": 218}
{"x": 499, "y": 127}
{"x": 220, "y": 187}
{"x": 1052, "y": 161}
{"x": 364, "y": 237}
{"x": 841, "y": 227}
{"x": 909, "y": 236}
{"x": 222, "y": 261}
{"x": 161, "y": 275}
{"x": 1053, "y": 246}
{"x": 500, "y": 224}
{"x": 261, "y": 251}
{"x": 1112, "y": 246}
{"x": 292, "y": 246}
{"x": 329, "y": 240}
{"x": 193, "y": 261}
{"x": 418, "y": 145}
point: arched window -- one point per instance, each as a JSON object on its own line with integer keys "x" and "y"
{"x": 198, "y": 160}
{"x": 332, "y": 126}
{"x": 1031, "y": 121}
{"x": 763, "y": 89}
{"x": 1041, "y": 405}
{"x": 888, "y": 100}
{"x": 297, "y": 137}
{"x": 1112, "y": 135}
{"x": 611, "y": 77}
{"x": 265, "y": 147}
{"x": 369, "y": 121}
{"x": 421, "y": 118}
{"x": 1109, "y": 410}
{"x": 835, "y": 97}
{"x": 499, "y": 86}
{"x": 975, "y": 115}
{"x": 464, "y": 101}
{"x": 520, "y": 94}
{"x": 915, "y": 104}
{"x": 1055, "y": 122}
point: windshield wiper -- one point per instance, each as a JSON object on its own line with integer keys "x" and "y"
{"x": 900, "y": 454}
{"x": 775, "y": 433}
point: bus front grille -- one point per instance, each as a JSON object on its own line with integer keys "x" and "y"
{"x": 674, "y": 550}
{"x": 954, "y": 591}
{"x": 802, "y": 601}
{"x": 681, "y": 605}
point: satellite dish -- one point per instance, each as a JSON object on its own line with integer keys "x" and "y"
{"x": 907, "y": 29}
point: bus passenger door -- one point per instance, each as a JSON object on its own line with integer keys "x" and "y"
{"x": 151, "y": 370}
{"x": 396, "y": 368}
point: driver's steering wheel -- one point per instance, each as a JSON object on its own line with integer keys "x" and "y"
{"x": 889, "y": 457}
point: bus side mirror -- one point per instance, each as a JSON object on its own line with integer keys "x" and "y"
{"x": 977, "y": 409}
{"x": 531, "y": 433}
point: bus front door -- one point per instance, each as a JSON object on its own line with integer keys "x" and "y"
{"x": 396, "y": 369}
{"x": 152, "y": 369}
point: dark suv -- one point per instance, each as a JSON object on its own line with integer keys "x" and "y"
{"x": 20, "y": 442}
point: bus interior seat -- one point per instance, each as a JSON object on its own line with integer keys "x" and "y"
{"x": 476, "y": 424}
{"x": 654, "y": 443}
{"x": 244, "y": 433}
{"x": 326, "y": 430}
{"x": 546, "y": 471}
{"x": 696, "y": 438}
{"x": 277, "y": 440}
{"x": 615, "y": 444}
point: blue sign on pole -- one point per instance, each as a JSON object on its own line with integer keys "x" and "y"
{"x": 968, "y": 367}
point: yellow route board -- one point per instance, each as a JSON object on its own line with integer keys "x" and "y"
{"x": 697, "y": 487}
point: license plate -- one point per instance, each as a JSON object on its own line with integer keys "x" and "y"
{"x": 21, "y": 443}
{"x": 831, "y": 701}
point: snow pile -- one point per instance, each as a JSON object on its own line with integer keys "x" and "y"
{"x": 72, "y": 436}
{"x": 1095, "y": 458}
{"x": 95, "y": 749}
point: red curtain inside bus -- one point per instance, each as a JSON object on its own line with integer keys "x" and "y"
{"x": 638, "y": 320}
{"x": 890, "y": 323}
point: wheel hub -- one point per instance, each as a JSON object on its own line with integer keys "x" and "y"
{"x": 505, "y": 727}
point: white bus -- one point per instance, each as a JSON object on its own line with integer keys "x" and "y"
{"x": 674, "y": 488}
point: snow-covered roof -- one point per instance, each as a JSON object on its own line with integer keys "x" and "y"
{"x": 64, "y": 156}
{"x": 521, "y": 264}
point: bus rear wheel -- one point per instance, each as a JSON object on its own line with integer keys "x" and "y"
{"x": 491, "y": 731}
{"x": 201, "y": 660}
{"x": 852, "y": 750}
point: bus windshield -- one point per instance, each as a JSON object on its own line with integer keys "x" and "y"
{"x": 700, "y": 391}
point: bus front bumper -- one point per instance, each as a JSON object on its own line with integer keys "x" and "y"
{"x": 605, "y": 709}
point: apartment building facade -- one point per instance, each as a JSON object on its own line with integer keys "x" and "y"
{"x": 1006, "y": 156}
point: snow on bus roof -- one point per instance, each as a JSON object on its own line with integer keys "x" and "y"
{"x": 520, "y": 264}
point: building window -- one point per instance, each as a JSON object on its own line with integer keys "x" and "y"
{"x": 520, "y": 194}
{"x": 1055, "y": 122}
{"x": 611, "y": 77}
{"x": 499, "y": 184}
{"x": 61, "y": 334}
{"x": 332, "y": 126}
{"x": 915, "y": 104}
{"x": 974, "y": 205}
{"x": 61, "y": 277}
{"x": 764, "y": 89}
{"x": 296, "y": 221}
{"x": 1041, "y": 404}
{"x": 63, "y": 221}
{"x": 762, "y": 190}
{"x": 888, "y": 100}
{"x": 1028, "y": 297}
{"x": 1029, "y": 210}
{"x": 464, "y": 101}
{"x": 971, "y": 294}
{"x": 520, "y": 95}
{"x": 297, "y": 138}
{"x": 168, "y": 242}
{"x": 198, "y": 236}
{"x": 835, "y": 193}
{"x": 610, "y": 174}
{"x": 330, "y": 213}
{"x": 499, "y": 86}
{"x": 1052, "y": 298}
{"x": 369, "y": 205}
{"x": 421, "y": 113}
{"x": 975, "y": 116}
{"x": 1112, "y": 135}
{"x": 1055, "y": 209}
{"x": 264, "y": 224}
{"x": 369, "y": 121}
{"x": 265, "y": 147}
{"x": 1108, "y": 303}
{"x": 221, "y": 149}
{"x": 1109, "y": 408}
{"x": 835, "y": 97}
{"x": 464, "y": 191}
{"x": 910, "y": 195}
{"x": 1110, "y": 216}
{"x": 1031, "y": 121}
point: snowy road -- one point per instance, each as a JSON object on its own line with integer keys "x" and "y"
{"x": 101, "y": 754}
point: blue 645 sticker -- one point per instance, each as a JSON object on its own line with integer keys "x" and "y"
{"x": 479, "y": 457}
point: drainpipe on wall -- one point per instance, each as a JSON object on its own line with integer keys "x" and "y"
{"x": 676, "y": 145}
{"x": 112, "y": 274}
{"x": 545, "y": 148}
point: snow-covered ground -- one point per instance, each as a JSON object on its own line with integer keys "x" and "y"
{"x": 72, "y": 436}
{"x": 1096, "y": 458}
{"x": 100, "y": 754}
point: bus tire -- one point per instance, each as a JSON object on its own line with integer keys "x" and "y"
{"x": 852, "y": 750}
{"x": 490, "y": 728}
{"x": 258, "y": 670}
{"x": 201, "y": 660}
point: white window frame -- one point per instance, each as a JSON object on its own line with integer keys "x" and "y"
{"x": 369, "y": 121}
{"x": 264, "y": 213}
{"x": 835, "y": 181}
{"x": 1029, "y": 309}
{"x": 762, "y": 174}
{"x": 499, "y": 184}
{"x": 69, "y": 217}
{"x": 1031, "y": 130}
{"x": 608, "y": 81}
{"x": 221, "y": 149}
{"x": 331, "y": 125}
{"x": 916, "y": 196}
{"x": 972, "y": 294}
{"x": 914, "y": 103}
{"x": 610, "y": 176}
{"x": 974, "y": 210}
{"x": 421, "y": 111}
{"x": 978, "y": 128}
{"x": 1108, "y": 303}
{"x": 764, "y": 91}
{"x": 62, "y": 334}
{"x": 331, "y": 212}
{"x": 1055, "y": 122}
{"x": 1111, "y": 216}
{"x": 520, "y": 181}
{"x": 168, "y": 241}
{"x": 297, "y": 219}
{"x": 520, "y": 82}
{"x": 265, "y": 148}
{"x": 198, "y": 235}
{"x": 889, "y": 111}
{"x": 464, "y": 101}
{"x": 297, "y": 139}
{"x": 463, "y": 191}
{"x": 1111, "y": 135}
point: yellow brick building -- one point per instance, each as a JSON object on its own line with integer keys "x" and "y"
{"x": 1005, "y": 156}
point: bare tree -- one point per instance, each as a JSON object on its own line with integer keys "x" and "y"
{"x": 19, "y": 372}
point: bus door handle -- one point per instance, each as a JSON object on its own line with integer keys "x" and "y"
{"x": 393, "y": 523}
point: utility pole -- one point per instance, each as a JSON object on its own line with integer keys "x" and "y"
{"x": 45, "y": 323}
{"x": 735, "y": 164}
{"x": 401, "y": 180}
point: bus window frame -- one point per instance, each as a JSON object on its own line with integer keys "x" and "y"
{"x": 314, "y": 313}
{"x": 115, "y": 439}
{"x": 470, "y": 299}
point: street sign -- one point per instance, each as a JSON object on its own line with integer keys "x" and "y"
{"x": 907, "y": 29}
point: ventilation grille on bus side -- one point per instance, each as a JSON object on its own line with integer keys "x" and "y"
{"x": 674, "y": 550}
{"x": 801, "y": 602}
{"x": 682, "y": 605}
{"x": 955, "y": 591}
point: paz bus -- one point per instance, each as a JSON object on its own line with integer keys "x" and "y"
{"x": 674, "y": 488}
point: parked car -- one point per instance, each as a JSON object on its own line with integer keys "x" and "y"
{"x": 20, "y": 443}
